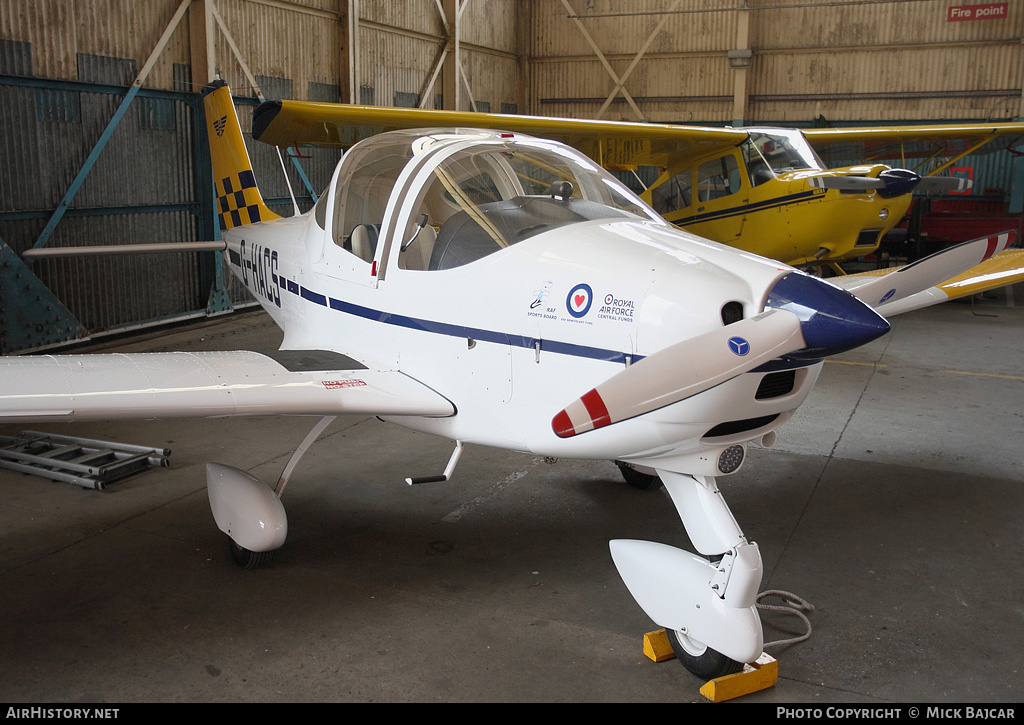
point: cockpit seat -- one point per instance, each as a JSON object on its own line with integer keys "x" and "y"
{"x": 461, "y": 241}
{"x": 364, "y": 241}
{"x": 417, "y": 254}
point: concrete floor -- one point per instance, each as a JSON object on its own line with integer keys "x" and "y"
{"x": 892, "y": 502}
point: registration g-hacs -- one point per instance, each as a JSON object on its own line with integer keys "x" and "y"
{"x": 503, "y": 290}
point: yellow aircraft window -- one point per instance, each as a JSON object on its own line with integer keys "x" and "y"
{"x": 673, "y": 194}
{"x": 780, "y": 149}
{"x": 758, "y": 169}
{"x": 717, "y": 178}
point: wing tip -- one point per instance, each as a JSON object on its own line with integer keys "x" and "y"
{"x": 263, "y": 116}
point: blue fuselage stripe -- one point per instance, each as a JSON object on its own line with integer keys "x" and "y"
{"x": 444, "y": 328}
{"x": 732, "y": 211}
{"x": 476, "y": 333}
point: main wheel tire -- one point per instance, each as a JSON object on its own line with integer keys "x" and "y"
{"x": 247, "y": 559}
{"x": 700, "y": 659}
{"x": 639, "y": 480}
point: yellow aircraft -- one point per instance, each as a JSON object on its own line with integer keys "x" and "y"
{"x": 763, "y": 190}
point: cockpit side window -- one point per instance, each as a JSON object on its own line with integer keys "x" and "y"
{"x": 362, "y": 197}
{"x": 320, "y": 210}
{"x": 673, "y": 194}
{"x": 758, "y": 169}
{"x": 717, "y": 178}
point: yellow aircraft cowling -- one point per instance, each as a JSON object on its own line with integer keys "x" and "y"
{"x": 852, "y": 223}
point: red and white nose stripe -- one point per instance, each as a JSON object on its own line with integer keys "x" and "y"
{"x": 587, "y": 413}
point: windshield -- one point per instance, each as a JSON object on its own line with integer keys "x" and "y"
{"x": 496, "y": 193}
{"x": 768, "y": 152}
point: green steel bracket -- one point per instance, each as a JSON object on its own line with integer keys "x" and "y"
{"x": 31, "y": 316}
{"x": 219, "y": 301}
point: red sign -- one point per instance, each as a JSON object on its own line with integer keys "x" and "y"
{"x": 987, "y": 11}
{"x": 962, "y": 172}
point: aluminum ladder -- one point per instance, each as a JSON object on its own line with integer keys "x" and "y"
{"x": 82, "y": 461}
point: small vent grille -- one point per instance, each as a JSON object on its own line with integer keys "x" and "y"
{"x": 775, "y": 385}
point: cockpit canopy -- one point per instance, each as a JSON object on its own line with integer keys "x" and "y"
{"x": 457, "y": 196}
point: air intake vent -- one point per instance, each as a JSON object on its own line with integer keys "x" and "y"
{"x": 775, "y": 385}
{"x": 734, "y": 427}
{"x": 867, "y": 238}
{"x": 731, "y": 312}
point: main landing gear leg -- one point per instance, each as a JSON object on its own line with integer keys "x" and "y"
{"x": 706, "y": 603}
{"x": 249, "y": 511}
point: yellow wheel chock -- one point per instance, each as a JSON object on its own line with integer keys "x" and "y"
{"x": 762, "y": 674}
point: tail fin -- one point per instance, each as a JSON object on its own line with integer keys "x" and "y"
{"x": 238, "y": 199}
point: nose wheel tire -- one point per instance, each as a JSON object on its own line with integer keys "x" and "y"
{"x": 249, "y": 559}
{"x": 700, "y": 659}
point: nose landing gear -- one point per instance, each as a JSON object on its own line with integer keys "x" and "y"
{"x": 705, "y": 603}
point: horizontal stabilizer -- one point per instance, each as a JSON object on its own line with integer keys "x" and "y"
{"x": 205, "y": 384}
{"x": 109, "y": 249}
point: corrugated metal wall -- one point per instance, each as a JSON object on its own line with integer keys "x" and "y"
{"x": 865, "y": 60}
{"x": 682, "y": 76}
{"x": 894, "y": 61}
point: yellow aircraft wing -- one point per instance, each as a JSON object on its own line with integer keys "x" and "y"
{"x": 838, "y": 146}
{"x": 609, "y": 143}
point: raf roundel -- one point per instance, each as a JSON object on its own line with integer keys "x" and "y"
{"x": 579, "y": 299}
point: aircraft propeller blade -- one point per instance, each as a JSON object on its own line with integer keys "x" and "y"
{"x": 681, "y": 371}
{"x": 944, "y": 183}
{"x": 891, "y": 183}
{"x": 805, "y": 318}
{"x": 929, "y": 271}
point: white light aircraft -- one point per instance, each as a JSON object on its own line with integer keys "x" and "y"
{"x": 502, "y": 290}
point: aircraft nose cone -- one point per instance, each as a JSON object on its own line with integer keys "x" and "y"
{"x": 898, "y": 182}
{"x": 831, "y": 319}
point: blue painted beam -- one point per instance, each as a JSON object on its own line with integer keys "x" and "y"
{"x": 191, "y": 207}
{"x": 302, "y": 175}
{"x": 86, "y": 87}
{"x": 101, "y": 144}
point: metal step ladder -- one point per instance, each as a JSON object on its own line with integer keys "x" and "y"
{"x": 82, "y": 461}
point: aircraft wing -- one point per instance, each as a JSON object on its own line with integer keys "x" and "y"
{"x": 70, "y": 388}
{"x": 965, "y": 269}
{"x": 609, "y": 143}
{"x": 837, "y": 146}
